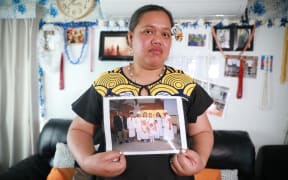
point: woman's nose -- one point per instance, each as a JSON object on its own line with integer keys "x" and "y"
{"x": 157, "y": 39}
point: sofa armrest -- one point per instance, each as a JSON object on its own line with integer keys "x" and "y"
{"x": 54, "y": 131}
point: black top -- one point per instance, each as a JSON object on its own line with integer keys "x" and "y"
{"x": 174, "y": 82}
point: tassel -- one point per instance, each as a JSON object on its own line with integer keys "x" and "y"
{"x": 240, "y": 79}
{"x": 61, "y": 84}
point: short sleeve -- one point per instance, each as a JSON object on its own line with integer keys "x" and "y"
{"x": 197, "y": 103}
{"x": 89, "y": 106}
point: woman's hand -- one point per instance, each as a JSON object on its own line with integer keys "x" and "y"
{"x": 105, "y": 164}
{"x": 186, "y": 163}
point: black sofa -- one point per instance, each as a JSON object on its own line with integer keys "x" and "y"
{"x": 232, "y": 150}
{"x": 270, "y": 162}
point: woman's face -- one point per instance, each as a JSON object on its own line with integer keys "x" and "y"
{"x": 151, "y": 39}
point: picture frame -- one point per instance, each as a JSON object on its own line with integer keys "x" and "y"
{"x": 241, "y": 36}
{"x": 114, "y": 46}
{"x": 75, "y": 35}
{"x": 173, "y": 139}
{"x": 233, "y": 38}
{"x": 232, "y": 65}
{"x": 225, "y": 38}
{"x": 220, "y": 95}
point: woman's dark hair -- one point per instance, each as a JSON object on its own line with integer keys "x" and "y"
{"x": 135, "y": 18}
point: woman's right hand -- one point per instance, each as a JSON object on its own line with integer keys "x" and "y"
{"x": 105, "y": 164}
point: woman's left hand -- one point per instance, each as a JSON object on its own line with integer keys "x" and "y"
{"x": 186, "y": 163}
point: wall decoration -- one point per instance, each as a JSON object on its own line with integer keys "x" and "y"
{"x": 75, "y": 9}
{"x": 266, "y": 69}
{"x": 240, "y": 66}
{"x": 232, "y": 65}
{"x": 219, "y": 94}
{"x": 224, "y": 37}
{"x": 49, "y": 47}
{"x": 232, "y": 38}
{"x": 177, "y": 32}
{"x": 284, "y": 63}
{"x": 198, "y": 40}
{"x": 113, "y": 46}
{"x": 75, "y": 35}
{"x": 17, "y": 9}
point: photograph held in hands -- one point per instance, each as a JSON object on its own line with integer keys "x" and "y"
{"x": 144, "y": 124}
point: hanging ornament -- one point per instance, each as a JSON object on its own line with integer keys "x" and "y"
{"x": 49, "y": 47}
{"x": 75, "y": 36}
{"x": 177, "y": 33}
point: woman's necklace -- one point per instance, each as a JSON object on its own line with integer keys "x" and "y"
{"x": 132, "y": 76}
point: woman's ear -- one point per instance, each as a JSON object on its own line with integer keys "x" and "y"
{"x": 129, "y": 38}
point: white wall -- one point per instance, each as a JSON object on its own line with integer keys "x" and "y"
{"x": 264, "y": 126}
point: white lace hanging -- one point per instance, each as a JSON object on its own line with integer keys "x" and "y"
{"x": 49, "y": 47}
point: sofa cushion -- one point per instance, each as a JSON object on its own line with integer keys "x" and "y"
{"x": 233, "y": 149}
{"x": 33, "y": 167}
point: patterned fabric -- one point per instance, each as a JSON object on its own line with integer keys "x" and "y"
{"x": 114, "y": 83}
{"x": 173, "y": 83}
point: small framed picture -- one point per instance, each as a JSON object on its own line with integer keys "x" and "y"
{"x": 144, "y": 124}
{"x": 114, "y": 46}
{"x": 241, "y": 37}
{"x": 224, "y": 37}
{"x": 232, "y": 66}
{"x": 75, "y": 35}
{"x": 197, "y": 40}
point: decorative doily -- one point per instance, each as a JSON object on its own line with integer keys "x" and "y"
{"x": 50, "y": 46}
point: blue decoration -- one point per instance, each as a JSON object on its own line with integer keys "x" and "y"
{"x": 258, "y": 23}
{"x": 219, "y": 25}
{"x": 42, "y": 2}
{"x": 41, "y": 96}
{"x": 259, "y": 8}
{"x": 207, "y": 24}
{"x": 53, "y": 11}
{"x": 21, "y": 8}
{"x": 184, "y": 24}
{"x": 270, "y": 23}
{"x": 195, "y": 24}
{"x": 15, "y": 1}
{"x": 283, "y": 21}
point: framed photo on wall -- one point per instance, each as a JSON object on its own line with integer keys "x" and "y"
{"x": 241, "y": 36}
{"x": 225, "y": 38}
{"x": 114, "y": 46}
{"x": 233, "y": 38}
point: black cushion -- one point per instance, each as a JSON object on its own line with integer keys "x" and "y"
{"x": 32, "y": 168}
{"x": 271, "y": 162}
{"x": 233, "y": 150}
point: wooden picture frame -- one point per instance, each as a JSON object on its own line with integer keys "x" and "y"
{"x": 114, "y": 46}
{"x": 233, "y": 38}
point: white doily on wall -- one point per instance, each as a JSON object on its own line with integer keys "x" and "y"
{"x": 50, "y": 46}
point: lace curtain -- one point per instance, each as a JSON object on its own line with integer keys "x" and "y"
{"x": 19, "y": 120}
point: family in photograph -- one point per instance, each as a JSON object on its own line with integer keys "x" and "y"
{"x": 145, "y": 127}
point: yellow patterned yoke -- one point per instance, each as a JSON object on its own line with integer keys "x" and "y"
{"x": 173, "y": 83}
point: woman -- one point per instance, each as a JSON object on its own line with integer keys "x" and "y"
{"x": 150, "y": 39}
